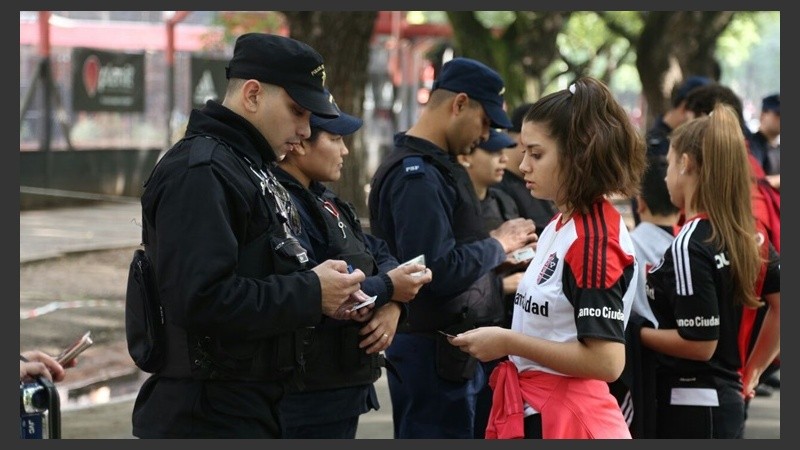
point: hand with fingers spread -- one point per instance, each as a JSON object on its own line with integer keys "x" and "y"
{"x": 379, "y": 332}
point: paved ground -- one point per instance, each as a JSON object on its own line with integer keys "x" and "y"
{"x": 73, "y": 270}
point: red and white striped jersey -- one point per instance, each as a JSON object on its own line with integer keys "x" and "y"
{"x": 581, "y": 282}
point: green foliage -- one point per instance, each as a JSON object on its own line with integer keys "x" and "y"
{"x": 496, "y": 19}
{"x": 587, "y": 41}
{"x": 239, "y": 22}
{"x": 735, "y": 44}
{"x": 752, "y": 67}
{"x": 437, "y": 17}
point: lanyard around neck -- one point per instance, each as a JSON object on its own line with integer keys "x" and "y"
{"x": 328, "y": 206}
{"x": 285, "y": 207}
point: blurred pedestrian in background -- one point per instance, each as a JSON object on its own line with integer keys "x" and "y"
{"x": 765, "y": 144}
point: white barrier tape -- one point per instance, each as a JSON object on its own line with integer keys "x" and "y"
{"x": 55, "y": 306}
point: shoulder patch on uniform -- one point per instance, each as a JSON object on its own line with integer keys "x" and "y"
{"x": 200, "y": 151}
{"x": 413, "y": 166}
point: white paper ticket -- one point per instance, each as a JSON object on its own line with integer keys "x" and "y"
{"x": 523, "y": 254}
{"x": 416, "y": 260}
{"x": 368, "y": 301}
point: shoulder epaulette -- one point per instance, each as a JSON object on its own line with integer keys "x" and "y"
{"x": 201, "y": 150}
{"x": 413, "y": 166}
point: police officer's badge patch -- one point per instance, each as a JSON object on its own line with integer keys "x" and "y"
{"x": 413, "y": 166}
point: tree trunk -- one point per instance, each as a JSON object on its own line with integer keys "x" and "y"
{"x": 525, "y": 49}
{"x": 673, "y": 46}
{"x": 343, "y": 39}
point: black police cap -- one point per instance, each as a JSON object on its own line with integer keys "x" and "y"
{"x": 284, "y": 62}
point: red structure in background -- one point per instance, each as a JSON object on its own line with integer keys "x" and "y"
{"x": 383, "y": 25}
{"x": 117, "y": 35}
{"x": 187, "y": 37}
{"x": 405, "y": 43}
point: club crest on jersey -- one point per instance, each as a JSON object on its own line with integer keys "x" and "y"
{"x": 548, "y": 268}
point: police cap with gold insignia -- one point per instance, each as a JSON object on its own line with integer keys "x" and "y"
{"x": 284, "y": 62}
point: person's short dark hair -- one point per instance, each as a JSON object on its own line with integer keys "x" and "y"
{"x": 654, "y": 187}
{"x": 693, "y": 82}
{"x": 702, "y": 100}
{"x": 284, "y": 62}
{"x": 771, "y": 103}
{"x": 517, "y": 115}
{"x": 480, "y": 82}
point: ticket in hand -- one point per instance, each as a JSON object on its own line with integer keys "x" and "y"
{"x": 368, "y": 301}
{"x": 416, "y": 260}
{"x": 523, "y": 254}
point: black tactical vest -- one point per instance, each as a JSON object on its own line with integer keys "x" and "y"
{"x": 208, "y": 357}
{"x": 330, "y": 350}
{"x": 481, "y": 302}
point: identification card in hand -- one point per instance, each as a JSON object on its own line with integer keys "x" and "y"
{"x": 523, "y": 254}
{"x": 366, "y": 302}
{"x": 416, "y": 260}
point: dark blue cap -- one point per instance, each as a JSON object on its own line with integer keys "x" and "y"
{"x": 284, "y": 62}
{"x": 772, "y": 103}
{"x": 480, "y": 82}
{"x": 497, "y": 141}
{"x": 343, "y": 125}
{"x": 690, "y": 83}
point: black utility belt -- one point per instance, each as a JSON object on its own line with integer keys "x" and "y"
{"x": 272, "y": 359}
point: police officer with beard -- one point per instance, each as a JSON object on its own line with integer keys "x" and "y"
{"x": 220, "y": 232}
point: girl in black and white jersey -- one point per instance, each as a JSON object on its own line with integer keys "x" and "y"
{"x": 699, "y": 292}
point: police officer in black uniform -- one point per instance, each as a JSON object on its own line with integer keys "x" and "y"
{"x": 657, "y": 136}
{"x": 482, "y": 165}
{"x": 422, "y": 201}
{"x": 344, "y": 358}
{"x": 220, "y": 231}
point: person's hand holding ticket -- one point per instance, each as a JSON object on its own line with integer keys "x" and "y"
{"x": 416, "y": 261}
{"x": 523, "y": 254}
{"x": 408, "y": 278}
